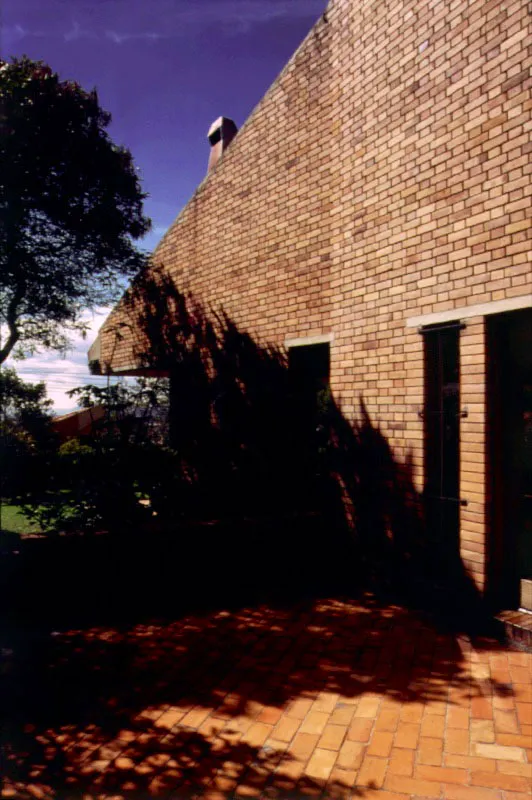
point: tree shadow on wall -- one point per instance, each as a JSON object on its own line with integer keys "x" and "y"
{"x": 266, "y": 448}
{"x": 268, "y": 492}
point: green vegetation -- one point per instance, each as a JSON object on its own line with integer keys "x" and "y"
{"x": 96, "y": 483}
{"x": 13, "y": 520}
{"x": 27, "y": 439}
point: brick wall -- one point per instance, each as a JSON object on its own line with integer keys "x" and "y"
{"x": 386, "y": 174}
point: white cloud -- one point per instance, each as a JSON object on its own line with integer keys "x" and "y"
{"x": 63, "y": 373}
{"x": 120, "y": 38}
{"x": 235, "y": 16}
{"x": 77, "y": 32}
{"x": 124, "y": 21}
{"x": 255, "y": 12}
{"x": 15, "y": 33}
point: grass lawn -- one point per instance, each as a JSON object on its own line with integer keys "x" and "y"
{"x": 13, "y": 520}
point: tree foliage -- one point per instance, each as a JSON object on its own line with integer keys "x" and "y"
{"x": 97, "y": 483}
{"x": 20, "y": 400}
{"x": 135, "y": 412}
{"x": 71, "y": 205}
{"x": 26, "y": 436}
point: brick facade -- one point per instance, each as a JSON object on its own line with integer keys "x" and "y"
{"x": 384, "y": 176}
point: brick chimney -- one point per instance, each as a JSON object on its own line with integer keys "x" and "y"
{"x": 221, "y": 134}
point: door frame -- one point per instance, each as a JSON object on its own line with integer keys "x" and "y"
{"x": 505, "y": 509}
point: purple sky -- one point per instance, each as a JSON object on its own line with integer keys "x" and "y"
{"x": 165, "y": 69}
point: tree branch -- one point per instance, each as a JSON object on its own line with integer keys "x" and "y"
{"x": 14, "y": 333}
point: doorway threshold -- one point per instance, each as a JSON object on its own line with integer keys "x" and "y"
{"x": 517, "y": 627}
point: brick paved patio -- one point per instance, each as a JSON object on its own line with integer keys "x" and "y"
{"x": 331, "y": 699}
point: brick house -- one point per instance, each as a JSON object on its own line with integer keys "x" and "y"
{"x": 376, "y": 205}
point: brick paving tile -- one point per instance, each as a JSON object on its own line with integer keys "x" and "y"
{"x": 520, "y": 660}
{"x": 482, "y": 730}
{"x": 381, "y": 744}
{"x": 386, "y": 708}
{"x": 401, "y": 762}
{"x": 299, "y": 708}
{"x": 441, "y": 774}
{"x": 270, "y": 715}
{"x": 345, "y": 777}
{"x": 411, "y": 713}
{"x": 517, "y": 795}
{"x": 407, "y": 735}
{"x": 212, "y": 727}
{"x": 457, "y": 741}
{"x": 237, "y": 726}
{"x": 522, "y": 692}
{"x": 432, "y": 725}
{"x": 481, "y": 708}
{"x": 519, "y": 674}
{"x": 470, "y": 762}
{"x": 513, "y": 739}
{"x": 499, "y": 752}
{"x": 387, "y": 719}
{"x": 325, "y": 702}
{"x": 332, "y": 737}
{"x": 372, "y": 772}
{"x": 453, "y": 792}
{"x": 457, "y": 717}
{"x": 257, "y": 734}
{"x": 498, "y": 780}
{"x": 504, "y": 703}
{"x": 291, "y": 769}
{"x": 360, "y": 730}
{"x": 437, "y": 706}
{"x": 286, "y": 728}
{"x": 368, "y": 707}
{"x": 195, "y": 717}
{"x": 342, "y": 714}
{"x": 351, "y": 755}
{"x": 244, "y": 790}
{"x": 505, "y": 721}
{"x": 415, "y": 786}
{"x": 524, "y": 713}
{"x": 320, "y": 764}
{"x": 515, "y": 768}
{"x": 314, "y": 722}
{"x": 169, "y": 718}
{"x": 430, "y": 751}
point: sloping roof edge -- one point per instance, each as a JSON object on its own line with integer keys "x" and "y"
{"x": 95, "y": 347}
{"x": 226, "y": 158}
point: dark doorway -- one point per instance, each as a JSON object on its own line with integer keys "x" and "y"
{"x": 309, "y": 377}
{"x": 442, "y": 441}
{"x": 510, "y": 475}
{"x": 309, "y": 367}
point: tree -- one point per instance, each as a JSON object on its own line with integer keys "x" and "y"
{"x": 104, "y": 480}
{"x": 26, "y": 435}
{"x": 71, "y": 205}
{"x": 136, "y": 412}
{"x": 23, "y": 405}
